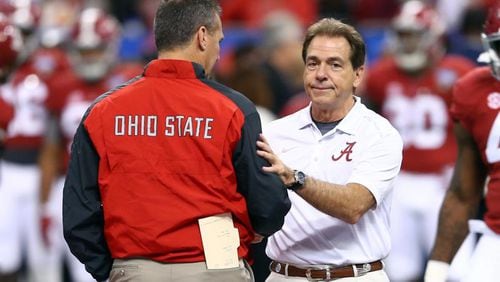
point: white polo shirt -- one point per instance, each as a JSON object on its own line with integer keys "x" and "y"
{"x": 364, "y": 148}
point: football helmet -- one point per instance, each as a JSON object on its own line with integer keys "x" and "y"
{"x": 491, "y": 40}
{"x": 25, "y": 15}
{"x": 417, "y": 36}
{"x": 10, "y": 45}
{"x": 56, "y": 22}
{"x": 94, "y": 40}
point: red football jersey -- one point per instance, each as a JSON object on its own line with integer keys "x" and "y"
{"x": 418, "y": 108}
{"x": 6, "y": 113}
{"x": 27, "y": 93}
{"x": 72, "y": 96}
{"x": 476, "y": 104}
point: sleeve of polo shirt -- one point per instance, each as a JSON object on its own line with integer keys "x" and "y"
{"x": 83, "y": 220}
{"x": 380, "y": 165}
{"x": 267, "y": 200}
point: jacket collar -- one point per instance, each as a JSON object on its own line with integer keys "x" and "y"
{"x": 167, "y": 68}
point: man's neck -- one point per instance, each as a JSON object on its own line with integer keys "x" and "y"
{"x": 326, "y": 115}
{"x": 184, "y": 54}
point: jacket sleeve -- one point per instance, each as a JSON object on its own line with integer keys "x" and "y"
{"x": 267, "y": 198}
{"x": 83, "y": 220}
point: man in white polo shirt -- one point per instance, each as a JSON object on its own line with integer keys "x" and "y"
{"x": 339, "y": 160}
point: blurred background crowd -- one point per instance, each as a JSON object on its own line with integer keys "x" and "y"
{"x": 78, "y": 49}
{"x": 262, "y": 37}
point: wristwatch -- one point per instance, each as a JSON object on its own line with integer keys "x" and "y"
{"x": 299, "y": 180}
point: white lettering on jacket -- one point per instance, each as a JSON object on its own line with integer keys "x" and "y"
{"x": 136, "y": 125}
{"x": 179, "y": 125}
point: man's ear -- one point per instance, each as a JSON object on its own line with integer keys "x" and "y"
{"x": 201, "y": 37}
{"x": 359, "y": 72}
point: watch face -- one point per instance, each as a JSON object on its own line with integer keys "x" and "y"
{"x": 300, "y": 177}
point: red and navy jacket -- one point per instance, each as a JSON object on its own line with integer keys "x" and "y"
{"x": 153, "y": 156}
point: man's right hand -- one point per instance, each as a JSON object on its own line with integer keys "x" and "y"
{"x": 264, "y": 150}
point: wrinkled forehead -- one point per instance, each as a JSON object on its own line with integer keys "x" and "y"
{"x": 327, "y": 46}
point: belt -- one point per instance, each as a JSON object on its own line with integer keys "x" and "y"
{"x": 325, "y": 272}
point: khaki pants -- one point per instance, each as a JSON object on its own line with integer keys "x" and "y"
{"x": 138, "y": 270}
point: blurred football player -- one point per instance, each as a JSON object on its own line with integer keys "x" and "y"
{"x": 10, "y": 45}
{"x": 475, "y": 109}
{"x": 94, "y": 70}
{"x": 26, "y": 92}
{"x": 411, "y": 87}
{"x": 56, "y": 20}
{"x": 25, "y": 15}
{"x": 11, "y": 234}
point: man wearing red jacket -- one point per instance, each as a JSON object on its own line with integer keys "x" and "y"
{"x": 153, "y": 157}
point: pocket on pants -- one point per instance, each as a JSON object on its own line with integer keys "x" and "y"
{"x": 123, "y": 272}
{"x": 242, "y": 273}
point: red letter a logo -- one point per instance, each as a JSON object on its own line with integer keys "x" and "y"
{"x": 347, "y": 152}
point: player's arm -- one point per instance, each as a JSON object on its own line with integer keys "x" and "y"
{"x": 462, "y": 198}
{"x": 49, "y": 168}
{"x": 49, "y": 162}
